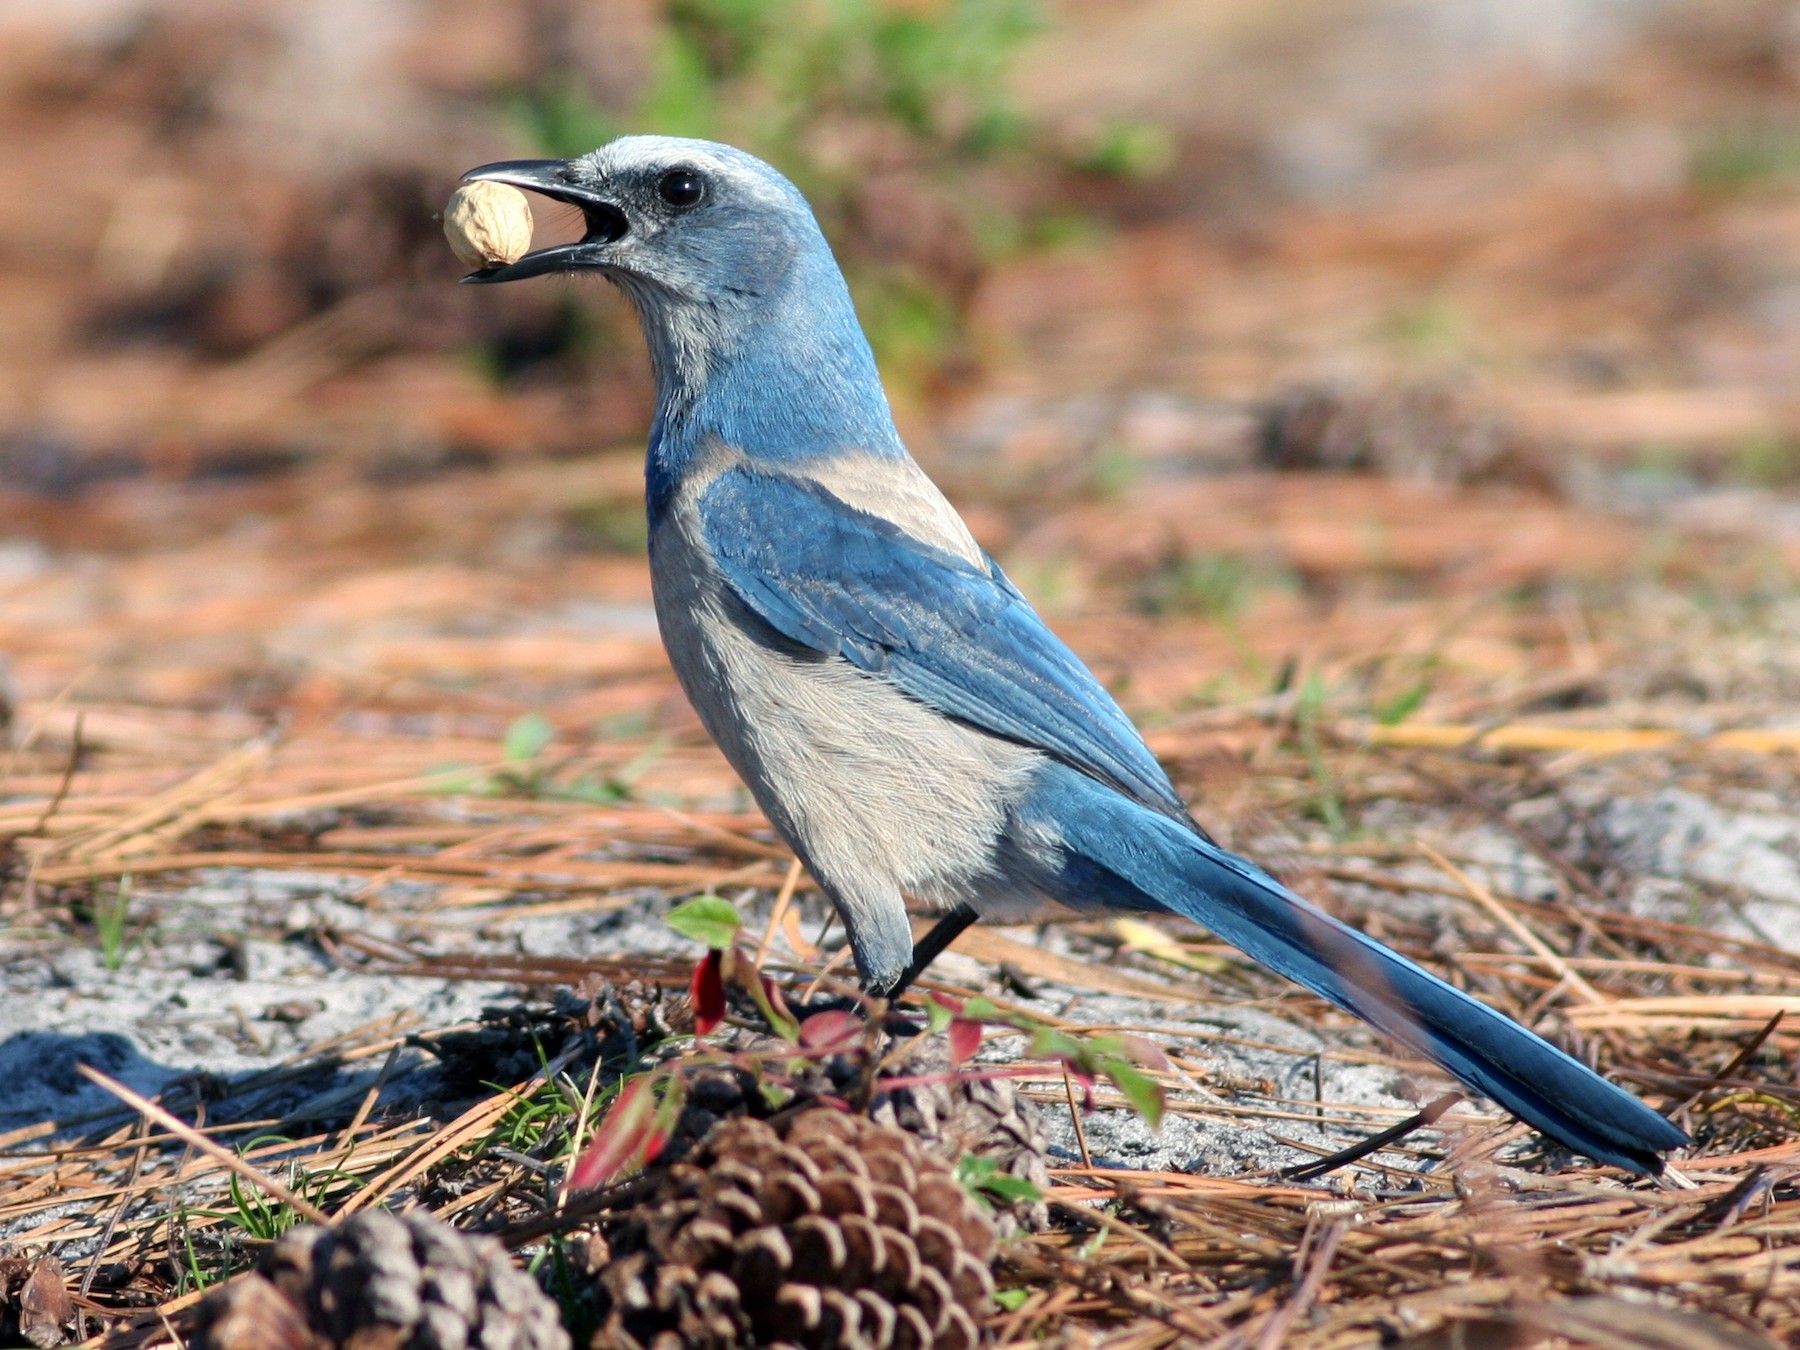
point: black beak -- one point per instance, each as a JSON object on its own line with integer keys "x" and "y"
{"x": 559, "y": 180}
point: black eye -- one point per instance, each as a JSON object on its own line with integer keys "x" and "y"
{"x": 681, "y": 188}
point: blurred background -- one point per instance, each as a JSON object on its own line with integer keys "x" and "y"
{"x": 1396, "y": 401}
{"x": 1406, "y": 355}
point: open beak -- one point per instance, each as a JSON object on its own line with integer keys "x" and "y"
{"x": 556, "y": 179}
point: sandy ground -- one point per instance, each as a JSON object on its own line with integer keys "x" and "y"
{"x": 227, "y": 979}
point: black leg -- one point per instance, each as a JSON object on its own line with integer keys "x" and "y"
{"x": 928, "y": 948}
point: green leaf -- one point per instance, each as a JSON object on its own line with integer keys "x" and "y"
{"x": 670, "y": 1106}
{"x": 782, "y": 1023}
{"x": 972, "y": 1169}
{"x": 456, "y": 780}
{"x": 1127, "y": 148}
{"x": 527, "y": 737}
{"x": 937, "y": 1016}
{"x": 1049, "y": 1043}
{"x": 1398, "y": 709}
{"x": 587, "y": 788}
{"x": 707, "y": 918}
{"x": 986, "y": 1010}
{"x": 1143, "y": 1092}
{"x": 979, "y": 1174}
{"x": 1311, "y": 704}
{"x": 1011, "y": 1300}
{"x": 1014, "y": 1190}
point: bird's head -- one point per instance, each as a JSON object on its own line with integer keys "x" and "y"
{"x": 732, "y": 279}
{"x": 683, "y": 220}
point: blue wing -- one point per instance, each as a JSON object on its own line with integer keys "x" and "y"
{"x": 955, "y": 636}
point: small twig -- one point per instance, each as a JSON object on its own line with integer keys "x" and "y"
{"x": 168, "y": 1326}
{"x": 1730, "y": 1207}
{"x": 812, "y": 989}
{"x": 1374, "y": 1143}
{"x": 1113, "y": 1223}
{"x": 1317, "y": 1265}
{"x": 1118, "y": 1288}
{"x": 39, "y": 722}
{"x": 1534, "y": 843}
{"x": 128, "y": 1197}
{"x": 1318, "y": 1068}
{"x": 900, "y": 1082}
{"x": 1512, "y": 923}
{"x": 1075, "y": 1116}
{"x": 62, "y": 787}
{"x": 194, "y": 1139}
{"x": 581, "y": 1120}
{"x": 1741, "y": 1058}
{"x": 574, "y": 1209}
{"x": 1038, "y": 1305}
{"x": 347, "y": 1140}
{"x": 776, "y": 915}
{"x": 457, "y": 1133}
{"x": 518, "y": 1159}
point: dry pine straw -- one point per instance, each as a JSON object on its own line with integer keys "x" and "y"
{"x": 1159, "y": 1258}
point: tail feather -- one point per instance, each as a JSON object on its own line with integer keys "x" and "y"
{"x": 1116, "y": 853}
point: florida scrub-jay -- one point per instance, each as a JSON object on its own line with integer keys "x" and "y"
{"x": 905, "y": 719}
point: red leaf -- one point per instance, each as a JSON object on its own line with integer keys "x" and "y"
{"x": 965, "y": 1039}
{"x": 777, "y": 1000}
{"x": 624, "y": 1134}
{"x": 707, "y": 991}
{"x": 1079, "y": 1072}
{"x": 1145, "y": 1052}
{"x": 655, "y": 1141}
{"x": 828, "y": 1030}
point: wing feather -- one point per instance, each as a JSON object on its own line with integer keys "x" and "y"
{"x": 953, "y": 634}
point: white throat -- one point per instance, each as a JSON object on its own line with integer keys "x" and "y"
{"x": 682, "y": 337}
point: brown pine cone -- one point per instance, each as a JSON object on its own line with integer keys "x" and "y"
{"x": 962, "y": 1115}
{"x": 382, "y": 1282}
{"x": 818, "y": 1230}
{"x": 954, "y": 1115}
{"x": 614, "y": 1024}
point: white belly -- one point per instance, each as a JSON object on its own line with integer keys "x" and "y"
{"x": 874, "y": 790}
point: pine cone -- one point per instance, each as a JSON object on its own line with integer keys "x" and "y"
{"x": 382, "y": 1282}
{"x": 954, "y": 1115}
{"x": 961, "y": 1115}
{"x": 614, "y": 1025}
{"x": 820, "y": 1230}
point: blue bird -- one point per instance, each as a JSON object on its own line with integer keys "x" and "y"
{"x": 900, "y": 712}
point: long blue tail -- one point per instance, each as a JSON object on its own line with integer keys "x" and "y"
{"x": 1116, "y": 854}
